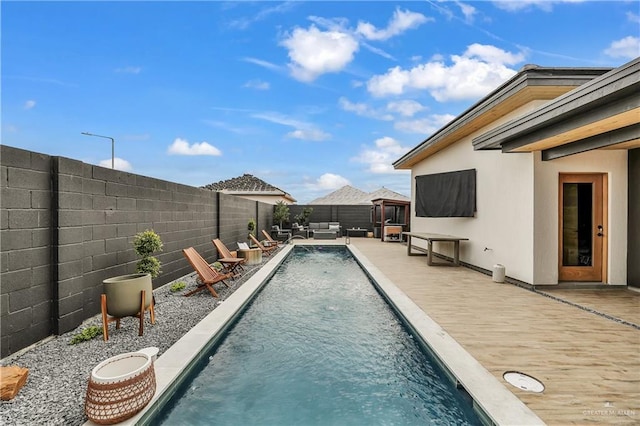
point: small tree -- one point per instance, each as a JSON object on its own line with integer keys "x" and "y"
{"x": 303, "y": 216}
{"x": 281, "y": 212}
{"x": 251, "y": 226}
{"x": 145, "y": 244}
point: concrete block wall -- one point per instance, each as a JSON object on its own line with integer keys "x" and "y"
{"x": 25, "y": 248}
{"x": 349, "y": 216}
{"x": 66, "y": 226}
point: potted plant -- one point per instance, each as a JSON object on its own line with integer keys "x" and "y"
{"x": 123, "y": 292}
{"x": 281, "y": 213}
{"x": 251, "y": 226}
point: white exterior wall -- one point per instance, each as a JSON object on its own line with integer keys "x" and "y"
{"x": 517, "y": 207}
{"x": 611, "y": 162}
{"x": 504, "y": 200}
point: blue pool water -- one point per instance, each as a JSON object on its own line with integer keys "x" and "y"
{"x": 319, "y": 346}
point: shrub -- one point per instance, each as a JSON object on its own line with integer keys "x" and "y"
{"x": 86, "y": 334}
{"x": 145, "y": 244}
{"x": 251, "y": 226}
{"x": 178, "y": 286}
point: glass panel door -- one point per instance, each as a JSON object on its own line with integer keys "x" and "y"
{"x": 581, "y": 224}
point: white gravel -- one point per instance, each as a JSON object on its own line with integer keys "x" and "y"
{"x": 59, "y": 372}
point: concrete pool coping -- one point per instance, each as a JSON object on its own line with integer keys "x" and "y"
{"x": 494, "y": 401}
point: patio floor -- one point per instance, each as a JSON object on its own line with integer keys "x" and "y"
{"x": 589, "y": 363}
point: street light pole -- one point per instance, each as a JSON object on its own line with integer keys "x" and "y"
{"x": 113, "y": 149}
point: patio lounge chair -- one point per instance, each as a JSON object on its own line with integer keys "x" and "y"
{"x": 231, "y": 263}
{"x": 270, "y": 239}
{"x": 207, "y": 276}
{"x": 265, "y": 250}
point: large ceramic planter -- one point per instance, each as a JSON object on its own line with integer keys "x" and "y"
{"x": 123, "y": 294}
{"x": 120, "y": 387}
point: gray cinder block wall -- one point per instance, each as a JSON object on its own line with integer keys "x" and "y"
{"x": 356, "y": 216}
{"x": 66, "y": 226}
{"x": 25, "y": 248}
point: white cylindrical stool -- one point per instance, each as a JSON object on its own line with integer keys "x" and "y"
{"x": 498, "y": 273}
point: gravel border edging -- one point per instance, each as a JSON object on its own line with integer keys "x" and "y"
{"x": 58, "y": 372}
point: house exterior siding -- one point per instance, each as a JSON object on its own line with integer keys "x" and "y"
{"x": 516, "y": 223}
{"x": 613, "y": 163}
{"x": 504, "y": 200}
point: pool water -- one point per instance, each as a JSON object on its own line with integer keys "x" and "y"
{"x": 319, "y": 346}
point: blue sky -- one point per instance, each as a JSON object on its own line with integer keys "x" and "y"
{"x": 308, "y": 96}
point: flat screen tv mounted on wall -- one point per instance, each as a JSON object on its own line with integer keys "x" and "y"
{"x": 450, "y": 194}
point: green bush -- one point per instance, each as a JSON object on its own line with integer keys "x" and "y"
{"x": 145, "y": 244}
{"x": 251, "y": 226}
{"x": 177, "y": 286}
{"x": 218, "y": 266}
{"x": 86, "y": 334}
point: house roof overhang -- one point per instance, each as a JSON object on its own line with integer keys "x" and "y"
{"x": 278, "y": 193}
{"x": 529, "y": 84}
{"x": 601, "y": 114}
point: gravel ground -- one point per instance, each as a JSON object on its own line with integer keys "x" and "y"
{"x": 59, "y": 372}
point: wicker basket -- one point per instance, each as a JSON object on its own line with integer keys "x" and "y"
{"x": 120, "y": 387}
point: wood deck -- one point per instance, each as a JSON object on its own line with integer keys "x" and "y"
{"x": 589, "y": 363}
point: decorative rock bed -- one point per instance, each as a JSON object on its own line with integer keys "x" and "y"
{"x": 55, "y": 391}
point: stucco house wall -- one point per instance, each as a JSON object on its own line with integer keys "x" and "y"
{"x": 611, "y": 162}
{"x": 504, "y": 200}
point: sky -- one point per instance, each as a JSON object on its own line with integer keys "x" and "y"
{"x": 307, "y": 96}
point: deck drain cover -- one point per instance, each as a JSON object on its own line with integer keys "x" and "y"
{"x": 523, "y": 381}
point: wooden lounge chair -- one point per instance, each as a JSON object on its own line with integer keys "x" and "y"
{"x": 231, "y": 263}
{"x": 207, "y": 276}
{"x": 265, "y": 250}
{"x": 270, "y": 239}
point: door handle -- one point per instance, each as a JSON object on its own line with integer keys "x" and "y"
{"x": 600, "y": 234}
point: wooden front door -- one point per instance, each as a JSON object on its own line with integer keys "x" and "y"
{"x": 582, "y": 233}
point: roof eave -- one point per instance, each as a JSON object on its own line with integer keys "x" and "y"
{"x": 613, "y": 93}
{"x": 529, "y": 77}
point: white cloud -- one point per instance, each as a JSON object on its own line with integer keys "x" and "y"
{"x": 468, "y": 11}
{"x": 424, "y": 126}
{"x": 379, "y": 158}
{"x": 313, "y": 52}
{"x": 628, "y": 47}
{"x": 472, "y": 75}
{"x": 363, "y": 110}
{"x": 264, "y": 64}
{"x": 118, "y": 163}
{"x": 330, "y": 181}
{"x": 633, "y": 17}
{"x": 182, "y": 147}
{"x": 303, "y": 130}
{"x": 244, "y": 23}
{"x": 401, "y": 21}
{"x": 407, "y": 108}
{"x": 129, "y": 70}
{"x": 309, "y": 135}
{"x": 257, "y": 84}
{"x": 29, "y": 104}
{"x": 517, "y": 5}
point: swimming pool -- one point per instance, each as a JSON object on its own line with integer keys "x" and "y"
{"x": 318, "y": 345}
{"x": 497, "y": 404}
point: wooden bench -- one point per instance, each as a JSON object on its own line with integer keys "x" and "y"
{"x": 430, "y": 239}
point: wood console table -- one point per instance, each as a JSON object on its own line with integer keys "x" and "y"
{"x": 430, "y": 239}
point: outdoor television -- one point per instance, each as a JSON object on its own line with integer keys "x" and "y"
{"x": 451, "y": 194}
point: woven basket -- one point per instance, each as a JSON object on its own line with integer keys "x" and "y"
{"x": 120, "y": 387}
